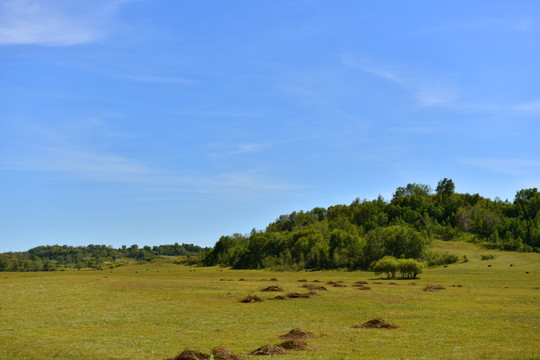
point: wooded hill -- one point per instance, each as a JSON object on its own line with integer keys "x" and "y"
{"x": 354, "y": 236}
{"x": 47, "y": 258}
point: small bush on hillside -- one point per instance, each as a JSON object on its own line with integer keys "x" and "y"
{"x": 410, "y": 268}
{"x": 487, "y": 256}
{"x": 436, "y": 259}
{"x": 387, "y": 265}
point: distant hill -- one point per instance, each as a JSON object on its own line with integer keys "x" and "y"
{"x": 47, "y": 258}
{"x": 353, "y": 236}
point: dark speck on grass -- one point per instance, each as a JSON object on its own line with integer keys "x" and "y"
{"x": 302, "y": 280}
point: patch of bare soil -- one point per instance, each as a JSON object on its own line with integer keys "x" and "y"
{"x": 242, "y": 279}
{"x": 302, "y": 280}
{"x": 251, "y": 299}
{"x": 294, "y": 344}
{"x": 314, "y": 287}
{"x": 317, "y": 281}
{"x": 273, "y": 279}
{"x": 337, "y": 283}
{"x": 297, "y": 334}
{"x": 272, "y": 288}
{"x": 375, "y": 324}
{"x": 458, "y": 285}
{"x": 269, "y": 350}
{"x": 434, "y": 288}
{"x": 191, "y": 355}
{"x": 222, "y": 353}
{"x": 279, "y": 297}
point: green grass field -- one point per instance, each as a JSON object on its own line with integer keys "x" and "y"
{"x": 154, "y": 311}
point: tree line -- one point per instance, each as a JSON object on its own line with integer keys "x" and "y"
{"x": 54, "y": 257}
{"x": 355, "y": 236}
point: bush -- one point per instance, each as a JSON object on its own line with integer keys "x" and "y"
{"x": 388, "y": 265}
{"x": 410, "y": 268}
{"x": 487, "y": 256}
{"x": 434, "y": 259}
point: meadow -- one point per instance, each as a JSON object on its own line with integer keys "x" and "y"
{"x": 488, "y": 309}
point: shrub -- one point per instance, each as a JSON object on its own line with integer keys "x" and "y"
{"x": 487, "y": 256}
{"x": 388, "y": 265}
{"x": 410, "y": 268}
{"x": 435, "y": 259}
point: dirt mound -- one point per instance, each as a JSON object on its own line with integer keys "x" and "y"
{"x": 375, "y": 324}
{"x": 302, "y": 280}
{"x": 191, "y": 355}
{"x": 360, "y": 283}
{"x": 223, "y": 353}
{"x": 363, "y": 288}
{"x": 272, "y": 288}
{"x": 296, "y": 295}
{"x": 297, "y": 334}
{"x": 269, "y": 350}
{"x": 337, "y": 283}
{"x": 279, "y": 297}
{"x": 273, "y": 279}
{"x": 241, "y": 279}
{"x": 458, "y": 285}
{"x": 251, "y": 298}
{"x": 314, "y": 287}
{"x": 434, "y": 288}
{"x": 294, "y": 344}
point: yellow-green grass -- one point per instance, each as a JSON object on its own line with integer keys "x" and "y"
{"x": 154, "y": 311}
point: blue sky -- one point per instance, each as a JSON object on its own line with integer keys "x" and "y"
{"x": 159, "y": 121}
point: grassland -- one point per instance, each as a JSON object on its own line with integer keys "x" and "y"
{"x": 154, "y": 311}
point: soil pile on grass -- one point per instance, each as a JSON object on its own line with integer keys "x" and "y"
{"x": 434, "y": 288}
{"x": 269, "y": 350}
{"x": 223, "y": 353}
{"x": 296, "y": 295}
{"x": 338, "y": 283}
{"x": 296, "y": 334}
{"x": 375, "y": 324}
{"x": 294, "y": 344}
{"x": 279, "y": 297}
{"x": 302, "y": 280}
{"x": 251, "y": 298}
{"x": 362, "y": 287}
{"x": 314, "y": 287}
{"x": 191, "y": 355}
{"x": 273, "y": 279}
{"x": 272, "y": 288}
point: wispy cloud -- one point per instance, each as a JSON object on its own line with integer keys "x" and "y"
{"x": 428, "y": 91}
{"x": 61, "y": 152}
{"x": 503, "y": 166}
{"x": 56, "y": 23}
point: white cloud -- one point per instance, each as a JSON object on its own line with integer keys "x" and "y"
{"x": 56, "y": 23}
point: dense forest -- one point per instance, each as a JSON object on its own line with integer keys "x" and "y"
{"x": 55, "y": 257}
{"x": 355, "y": 236}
